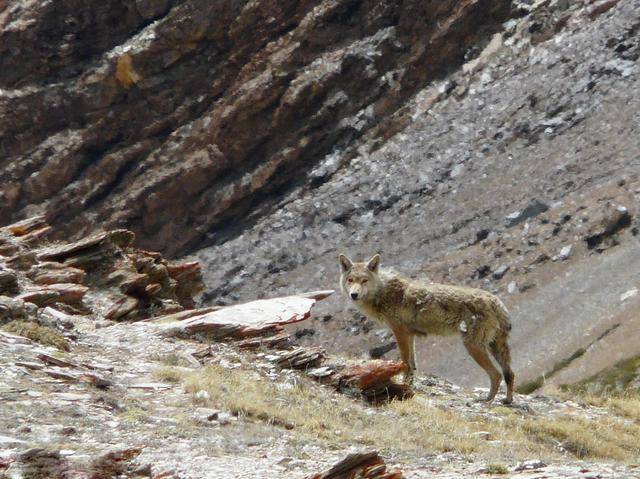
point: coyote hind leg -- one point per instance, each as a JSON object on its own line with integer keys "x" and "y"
{"x": 479, "y": 354}
{"x": 500, "y": 350}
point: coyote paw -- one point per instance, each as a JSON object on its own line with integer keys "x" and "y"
{"x": 507, "y": 401}
{"x": 485, "y": 400}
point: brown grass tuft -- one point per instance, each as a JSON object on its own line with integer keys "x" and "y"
{"x": 38, "y": 333}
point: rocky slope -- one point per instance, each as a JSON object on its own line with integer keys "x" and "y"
{"x": 87, "y": 397}
{"x": 58, "y": 427}
{"x": 487, "y": 143}
{"x": 517, "y": 173}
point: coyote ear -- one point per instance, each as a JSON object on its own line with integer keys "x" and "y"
{"x": 373, "y": 263}
{"x": 345, "y": 262}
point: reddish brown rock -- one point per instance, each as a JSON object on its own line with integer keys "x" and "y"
{"x": 186, "y": 314}
{"x": 68, "y": 293}
{"x": 36, "y": 236}
{"x": 128, "y": 280}
{"x": 8, "y": 281}
{"x": 301, "y": 358}
{"x": 189, "y": 281}
{"x": 97, "y": 244}
{"x": 364, "y": 465}
{"x": 52, "y": 273}
{"x": 153, "y": 289}
{"x": 373, "y": 380}
{"x": 22, "y": 259}
{"x": 24, "y": 227}
{"x": 260, "y": 94}
{"x": 104, "y": 260}
{"x": 121, "y": 308}
{"x": 48, "y": 359}
{"x": 371, "y": 373}
{"x": 278, "y": 341}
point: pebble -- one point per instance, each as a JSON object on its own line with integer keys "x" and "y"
{"x": 501, "y": 271}
{"x": 628, "y": 294}
{"x": 565, "y": 252}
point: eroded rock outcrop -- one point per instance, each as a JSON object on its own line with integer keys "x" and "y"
{"x": 102, "y": 274}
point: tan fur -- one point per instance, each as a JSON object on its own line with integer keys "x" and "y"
{"x": 414, "y": 308}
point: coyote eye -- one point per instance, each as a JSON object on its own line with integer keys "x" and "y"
{"x": 350, "y": 280}
{"x": 364, "y": 281}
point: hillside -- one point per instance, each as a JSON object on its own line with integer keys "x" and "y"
{"x": 258, "y": 152}
{"x": 165, "y": 391}
{"x": 162, "y": 161}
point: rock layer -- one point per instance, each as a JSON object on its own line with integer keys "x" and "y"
{"x": 102, "y": 273}
{"x": 173, "y": 119}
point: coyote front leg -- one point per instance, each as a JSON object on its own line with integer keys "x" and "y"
{"x": 405, "y": 342}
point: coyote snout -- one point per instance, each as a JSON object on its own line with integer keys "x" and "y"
{"x": 412, "y": 308}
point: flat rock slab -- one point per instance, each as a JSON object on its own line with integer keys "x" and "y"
{"x": 250, "y": 319}
{"x": 366, "y": 465}
{"x": 62, "y": 252}
{"x": 69, "y": 293}
{"x": 24, "y": 227}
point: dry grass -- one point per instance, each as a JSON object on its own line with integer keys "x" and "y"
{"x": 169, "y": 374}
{"x": 414, "y": 427}
{"x": 496, "y": 469}
{"x": 602, "y": 438}
{"x": 626, "y": 405}
{"x": 317, "y": 411}
{"x": 40, "y": 334}
{"x": 620, "y": 379}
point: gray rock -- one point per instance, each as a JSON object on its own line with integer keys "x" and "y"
{"x": 565, "y": 252}
{"x": 532, "y": 210}
{"x": 530, "y": 465}
{"x": 501, "y": 271}
{"x": 12, "y": 308}
{"x": 224, "y": 418}
{"x": 8, "y": 281}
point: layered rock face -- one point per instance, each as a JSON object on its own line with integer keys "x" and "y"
{"x": 177, "y": 119}
{"x": 102, "y": 274}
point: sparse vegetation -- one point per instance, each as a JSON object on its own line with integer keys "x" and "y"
{"x": 168, "y": 374}
{"x": 496, "y": 469}
{"x": 134, "y": 414}
{"x": 170, "y": 359}
{"x": 622, "y": 378}
{"x": 38, "y": 333}
{"x": 530, "y": 386}
{"x": 602, "y": 438}
{"x": 313, "y": 409}
{"x": 625, "y": 404}
{"x": 414, "y": 426}
{"x": 535, "y": 384}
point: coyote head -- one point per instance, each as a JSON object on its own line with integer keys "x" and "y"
{"x": 359, "y": 280}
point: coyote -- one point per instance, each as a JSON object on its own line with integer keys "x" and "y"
{"x": 412, "y": 308}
